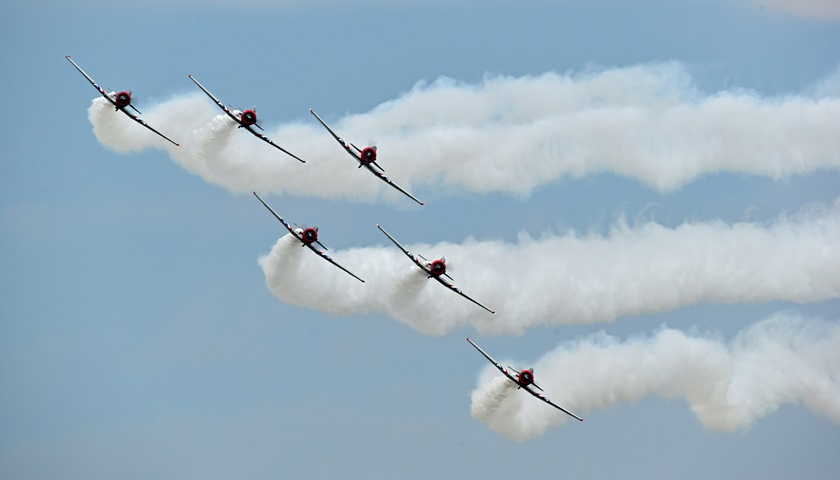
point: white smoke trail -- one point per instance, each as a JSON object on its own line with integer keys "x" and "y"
{"x": 486, "y": 401}
{"x": 781, "y": 360}
{"x": 574, "y": 279}
{"x": 509, "y": 135}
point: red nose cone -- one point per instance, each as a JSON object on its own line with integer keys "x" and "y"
{"x": 438, "y": 267}
{"x": 123, "y": 99}
{"x": 310, "y": 235}
{"x": 249, "y": 117}
{"x": 369, "y": 155}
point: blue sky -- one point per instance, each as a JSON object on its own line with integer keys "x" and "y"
{"x": 139, "y": 338}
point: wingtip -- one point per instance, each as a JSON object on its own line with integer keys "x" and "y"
{"x": 67, "y": 57}
{"x": 468, "y": 339}
{"x": 311, "y": 111}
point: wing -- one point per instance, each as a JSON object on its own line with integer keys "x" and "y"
{"x": 95, "y": 85}
{"x": 263, "y": 137}
{"x": 459, "y": 292}
{"x": 359, "y": 159}
{"x": 216, "y": 100}
{"x": 409, "y": 254}
{"x": 142, "y": 122}
{"x": 497, "y": 364}
{"x": 327, "y": 258}
{"x": 336, "y": 137}
{"x": 546, "y": 400}
{"x": 288, "y": 227}
{"x": 389, "y": 182}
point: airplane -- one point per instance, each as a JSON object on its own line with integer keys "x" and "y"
{"x": 366, "y": 157}
{"x": 434, "y": 269}
{"x": 523, "y": 379}
{"x": 307, "y": 237}
{"x": 120, "y": 100}
{"x": 245, "y": 119}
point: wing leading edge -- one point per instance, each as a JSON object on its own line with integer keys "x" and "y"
{"x": 404, "y": 250}
{"x": 494, "y": 362}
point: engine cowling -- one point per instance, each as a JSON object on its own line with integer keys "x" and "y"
{"x": 368, "y": 154}
{"x": 526, "y": 377}
{"x": 123, "y": 99}
{"x": 310, "y": 235}
{"x": 249, "y": 117}
{"x": 438, "y": 267}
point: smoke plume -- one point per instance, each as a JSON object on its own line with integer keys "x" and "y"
{"x": 506, "y": 134}
{"x": 782, "y": 360}
{"x": 572, "y": 278}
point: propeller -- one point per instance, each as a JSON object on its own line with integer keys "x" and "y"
{"x": 254, "y": 109}
{"x": 372, "y": 144}
{"x": 448, "y": 268}
{"x": 131, "y": 100}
